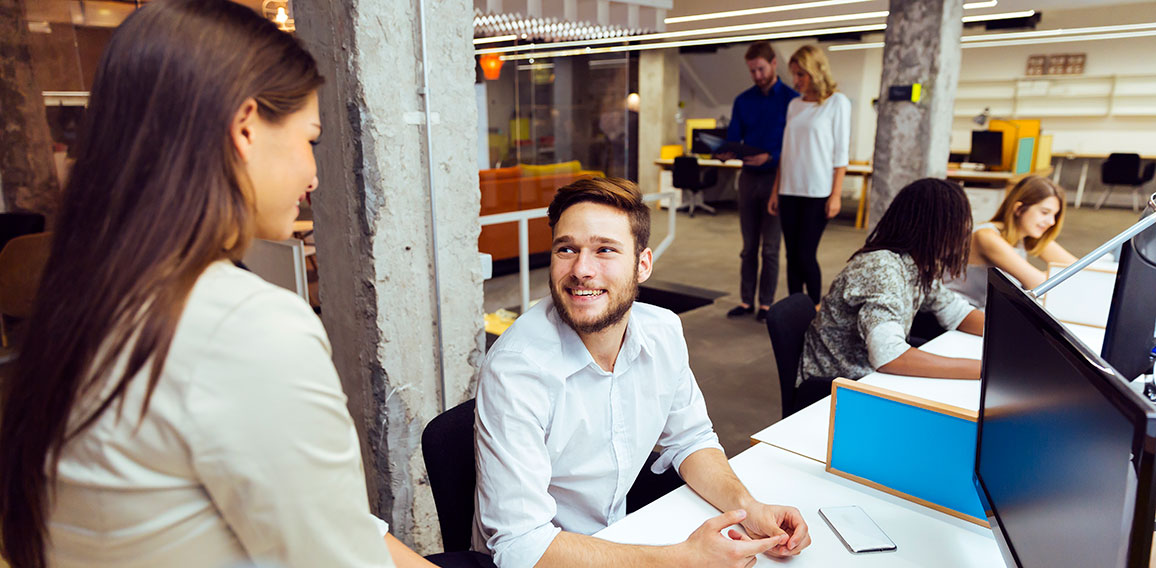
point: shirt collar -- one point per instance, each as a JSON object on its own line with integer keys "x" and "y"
{"x": 575, "y": 357}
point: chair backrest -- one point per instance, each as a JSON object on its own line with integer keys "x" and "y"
{"x": 685, "y": 173}
{"x": 15, "y": 224}
{"x": 1122, "y": 169}
{"x": 21, "y": 265}
{"x": 446, "y": 443}
{"x": 787, "y": 321}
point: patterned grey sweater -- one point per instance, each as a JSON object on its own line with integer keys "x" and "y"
{"x": 866, "y": 316}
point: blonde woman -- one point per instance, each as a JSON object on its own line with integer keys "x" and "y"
{"x": 1026, "y": 223}
{"x": 808, "y": 189}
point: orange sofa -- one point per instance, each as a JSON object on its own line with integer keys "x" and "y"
{"x": 518, "y": 188}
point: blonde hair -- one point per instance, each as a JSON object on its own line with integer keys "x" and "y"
{"x": 814, "y": 63}
{"x": 1029, "y": 191}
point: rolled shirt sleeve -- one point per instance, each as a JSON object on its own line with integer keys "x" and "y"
{"x": 884, "y": 312}
{"x": 841, "y": 125}
{"x": 514, "y": 508}
{"x": 949, "y": 307}
{"x": 688, "y": 428}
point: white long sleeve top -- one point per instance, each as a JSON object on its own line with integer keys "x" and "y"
{"x": 246, "y": 453}
{"x": 816, "y": 141}
{"x": 560, "y": 441}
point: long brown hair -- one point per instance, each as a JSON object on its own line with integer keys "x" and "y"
{"x": 1029, "y": 191}
{"x": 155, "y": 197}
{"x": 930, "y": 220}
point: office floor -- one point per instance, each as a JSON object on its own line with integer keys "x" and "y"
{"x": 732, "y": 359}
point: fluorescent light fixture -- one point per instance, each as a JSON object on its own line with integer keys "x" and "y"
{"x": 495, "y": 39}
{"x": 1061, "y": 39}
{"x": 1003, "y": 16}
{"x": 789, "y": 7}
{"x": 707, "y": 41}
{"x": 535, "y": 66}
{"x": 688, "y": 33}
{"x": 753, "y": 11}
{"x": 1058, "y": 35}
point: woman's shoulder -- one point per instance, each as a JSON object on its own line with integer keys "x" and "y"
{"x": 233, "y": 301}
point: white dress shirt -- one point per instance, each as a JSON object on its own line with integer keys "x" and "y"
{"x": 246, "y": 453}
{"x": 815, "y": 142}
{"x": 560, "y": 441}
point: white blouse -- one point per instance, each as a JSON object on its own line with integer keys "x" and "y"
{"x": 246, "y": 453}
{"x": 815, "y": 142}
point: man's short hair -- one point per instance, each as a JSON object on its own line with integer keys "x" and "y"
{"x": 618, "y": 193}
{"x": 761, "y": 49}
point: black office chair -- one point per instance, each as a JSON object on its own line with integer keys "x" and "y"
{"x": 688, "y": 176}
{"x": 787, "y": 321}
{"x": 1124, "y": 169}
{"x": 448, "y": 447}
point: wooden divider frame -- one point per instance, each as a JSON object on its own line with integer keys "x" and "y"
{"x": 950, "y": 410}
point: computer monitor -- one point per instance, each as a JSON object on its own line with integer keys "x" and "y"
{"x": 1064, "y": 449}
{"x": 700, "y": 146}
{"x": 986, "y": 148}
{"x": 1131, "y": 330}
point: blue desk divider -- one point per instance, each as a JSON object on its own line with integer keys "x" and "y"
{"x": 920, "y": 450}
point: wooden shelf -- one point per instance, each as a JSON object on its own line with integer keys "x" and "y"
{"x": 1059, "y": 96}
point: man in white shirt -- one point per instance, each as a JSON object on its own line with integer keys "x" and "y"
{"x": 576, "y": 394}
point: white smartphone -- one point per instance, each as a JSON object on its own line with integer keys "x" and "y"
{"x": 857, "y": 531}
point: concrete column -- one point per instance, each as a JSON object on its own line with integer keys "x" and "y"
{"x": 373, "y": 226}
{"x": 658, "y": 94}
{"x": 29, "y": 172}
{"x": 912, "y": 140}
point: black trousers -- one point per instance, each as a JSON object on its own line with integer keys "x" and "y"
{"x": 803, "y": 219}
{"x": 758, "y": 228}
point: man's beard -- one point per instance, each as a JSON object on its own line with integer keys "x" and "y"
{"x": 614, "y": 314}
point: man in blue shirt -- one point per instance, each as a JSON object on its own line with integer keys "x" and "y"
{"x": 758, "y": 119}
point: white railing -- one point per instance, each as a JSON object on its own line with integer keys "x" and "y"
{"x": 523, "y": 218}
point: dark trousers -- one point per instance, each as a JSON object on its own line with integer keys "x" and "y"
{"x": 803, "y": 220}
{"x": 758, "y": 228}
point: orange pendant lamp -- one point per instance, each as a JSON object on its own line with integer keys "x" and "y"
{"x": 491, "y": 66}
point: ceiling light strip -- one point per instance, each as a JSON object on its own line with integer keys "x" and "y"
{"x": 495, "y": 39}
{"x": 1038, "y": 36}
{"x": 689, "y": 33}
{"x": 1061, "y": 39}
{"x": 754, "y": 11}
{"x": 708, "y": 41}
{"x": 791, "y": 7}
{"x": 1003, "y": 16}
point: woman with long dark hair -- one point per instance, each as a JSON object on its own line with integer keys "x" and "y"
{"x": 170, "y": 408}
{"x": 864, "y": 320}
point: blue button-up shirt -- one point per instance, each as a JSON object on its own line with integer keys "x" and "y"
{"x": 758, "y": 120}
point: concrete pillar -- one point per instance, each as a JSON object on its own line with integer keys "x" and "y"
{"x": 912, "y": 140}
{"x": 658, "y": 94}
{"x": 373, "y": 227}
{"x": 29, "y": 172}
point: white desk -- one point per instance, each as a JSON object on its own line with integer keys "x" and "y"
{"x": 806, "y": 432}
{"x": 923, "y": 537}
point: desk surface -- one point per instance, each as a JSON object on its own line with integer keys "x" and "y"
{"x": 866, "y": 170}
{"x": 923, "y": 537}
{"x": 805, "y": 432}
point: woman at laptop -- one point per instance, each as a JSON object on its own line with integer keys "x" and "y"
{"x": 1026, "y": 223}
{"x": 169, "y": 408}
{"x": 863, "y": 322}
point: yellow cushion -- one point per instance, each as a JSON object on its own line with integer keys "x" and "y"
{"x": 571, "y": 167}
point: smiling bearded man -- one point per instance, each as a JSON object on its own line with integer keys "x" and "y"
{"x": 575, "y": 395}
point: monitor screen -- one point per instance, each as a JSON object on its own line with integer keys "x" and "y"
{"x": 714, "y": 137}
{"x": 1064, "y": 450}
{"x": 986, "y": 148}
{"x": 1129, "y": 334}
